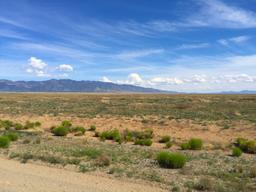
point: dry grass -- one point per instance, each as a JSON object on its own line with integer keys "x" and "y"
{"x": 216, "y": 119}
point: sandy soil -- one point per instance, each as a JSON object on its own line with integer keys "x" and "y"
{"x": 179, "y": 130}
{"x": 17, "y": 177}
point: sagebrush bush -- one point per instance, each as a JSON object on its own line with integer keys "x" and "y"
{"x": 171, "y": 160}
{"x": 29, "y": 125}
{"x": 136, "y": 135}
{"x": 77, "y": 129}
{"x": 37, "y": 124}
{"x": 241, "y": 143}
{"x": 111, "y": 135}
{"x": 6, "y": 124}
{"x": 18, "y": 126}
{"x": 168, "y": 145}
{"x": 195, "y": 144}
{"x": 12, "y": 136}
{"x": 165, "y": 139}
{"x": 60, "y": 131}
{"x": 251, "y": 147}
{"x": 92, "y": 128}
{"x": 4, "y": 142}
{"x": 143, "y": 142}
{"x": 66, "y": 124}
{"x": 236, "y": 152}
{"x": 247, "y": 146}
{"x": 185, "y": 146}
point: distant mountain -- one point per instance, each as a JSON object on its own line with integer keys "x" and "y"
{"x": 67, "y": 85}
{"x": 239, "y": 92}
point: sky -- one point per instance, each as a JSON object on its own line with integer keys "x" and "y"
{"x": 189, "y": 46}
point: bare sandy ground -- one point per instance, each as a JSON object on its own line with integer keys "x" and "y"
{"x": 17, "y": 177}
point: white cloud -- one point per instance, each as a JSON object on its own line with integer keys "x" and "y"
{"x": 166, "y": 80}
{"x": 36, "y": 63}
{"x": 139, "y": 53}
{"x": 135, "y": 78}
{"x": 240, "y": 39}
{"x": 194, "y": 46}
{"x": 65, "y": 68}
{"x": 239, "y": 78}
{"x": 39, "y": 68}
{"x": 215, "y": 13}
{"x": 223, "y": 42}
{"x": 105, "y": 79}
{"x": 237, "y": 40}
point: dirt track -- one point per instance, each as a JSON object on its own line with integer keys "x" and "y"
{"x": 17, "y": 177}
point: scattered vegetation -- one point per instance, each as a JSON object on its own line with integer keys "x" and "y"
{"x": 236, "y": 152}
{"x": 60, "y": 131}
{"x": 247, "y": 146}
{"x": 171, "y": 160}
{"x": 4, "y": 142}
{"x": 78, "y": 130}
{"x": 165, "y": 139}
{"x": 12, "y": 136}
{"x": 234, "y": 174}
{"x": 192, "y": 144}
{"x": 168, "y": 144}
{"x": 111, "y": 135}
{"x": 143, "y": 142}
{"x": 92, "y": 128}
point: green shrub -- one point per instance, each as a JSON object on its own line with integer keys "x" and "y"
{"x": 92, "y": 128}
{"x": 165, "y": 139}
{"x": 251, "y": 147}
{"x": 128, "y": 135}
{"x": 77, "y": 129}
{"x": 137, "y": 135}
{"x": 247, "y": 146}
{"x": 18, "y": 126}
{"x": 12, "y": 136}
{"x": 60, "y": 131}
{"x": 171, "y": 160}
{"x": 29, "y": 125}
{"x": 111, "y": 135}
{"x": 37, "y": 124}
{"x": 236, "y": 152}
{"x": 96, "y": 134}
{"x": 143, "y": 142}
{"x": 168, "y": 145}
{"x": 185, "y": 146}
{"x": 241, "y": 143}
{"x": 195, "y": 144}
{"x": 66, "y": 124}
{"x": 4, "y": 142}
{"x": 6, "y": 124}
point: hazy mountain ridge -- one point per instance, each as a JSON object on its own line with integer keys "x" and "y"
{"x": 67, "y": 85}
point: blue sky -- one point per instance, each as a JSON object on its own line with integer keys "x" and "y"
{"x": 191, "y": 46}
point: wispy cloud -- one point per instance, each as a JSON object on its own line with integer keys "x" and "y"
{"x": 215, "y": 13}
{"x": 193, "y": 46}
{"x": 12, "y": 34}
{"x": 236, "y": 40}
{"x": 139, "y": 53}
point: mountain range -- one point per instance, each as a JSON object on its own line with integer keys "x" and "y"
{"x": 67, "y": 85}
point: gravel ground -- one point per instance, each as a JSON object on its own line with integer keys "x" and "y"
{"x": 17, "y": 177}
